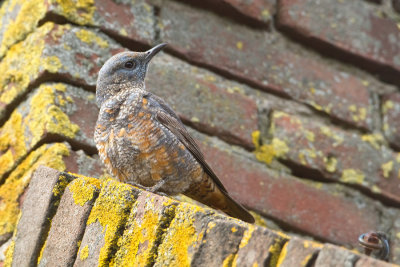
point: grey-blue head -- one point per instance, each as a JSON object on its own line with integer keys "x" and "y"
{"x": 123, "y": 71}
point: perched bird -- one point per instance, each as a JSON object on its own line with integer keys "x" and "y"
{"x": 143, "y": 142}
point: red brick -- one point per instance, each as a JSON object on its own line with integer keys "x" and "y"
{"x": 35, "y": 218}
{"x": 255, "y": 12}
{"x": 339, "y": 155}
{"x": 263, "y": 60}
{"x": 52, "y": 111}
{"x": 348, "y": 27}
{"x": 391, "y": 112}
{"x": 53, "y": 52}
{"x": 205, "y": 100}
{"x": 122, "y": 19}
{"x": 329, "y": 212}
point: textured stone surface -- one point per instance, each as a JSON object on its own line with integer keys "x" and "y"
{"x": 298, "y": 251}
{"x": 348, "y": 26}
{"x": 107, "y": 218}
{"x": 205, "y": 100}
{"x": 337, "y": 155}
{"x": 52, "y": 52}
{"x": 45, "y": 188}
{"x": 119, "y": 18}
{"x": 68, "y": 224}
{"x": 264, "y": 60}
{"x": 330, "y": 212}
{"x": 391, "y": 112}
{"x": 52, "y": 111}
{"x": 250, "y": 254}
{"x": 331, "y": 255}
{"x": 146, "y": 225}
{"x": 13, "y": 190}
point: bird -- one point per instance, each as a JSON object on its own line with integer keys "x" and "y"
{"x": 143, "y": 142}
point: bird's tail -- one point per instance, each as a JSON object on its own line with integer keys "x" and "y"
{"x": 209, "y": 193}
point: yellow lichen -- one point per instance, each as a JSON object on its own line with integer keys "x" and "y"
{"x": 309, "y": 135}
{"x": 230, "y": 261}
{"x": 9, "y": 254}
{"x": 60, "y": 185}
{"x": 352, "y": 176}
{"x": 387, "y": 105}
{"x": 15, "y": 185}
{"x": 375, "y": 139}
{"x": 22, "y": 64}
{"x": 181, "y": 238}
{"x": 84, "y": 253}
{"x": 306, "y": 260}
{"x": 330, "y": 164}
{"x": 78, "y": 11}
{"x": 83, "y": 189}
{"x": 325, "y": 130}
{"x": 41, "y": 252}
{"x": 239, "y": 45}
{"x": 111, "y": 210}
{"x": 142, "y": 232}
{"x": 28, "y": 15}
{"x": 246, "y": 236}
{"x": 267, "y": 152}
{"x": 91, "y": 38}
{"x": 52, "y": 64}
{"x": 282, "y": 254}
{"x": 45, "y": 116}
{"x": 276, "y": 250}
{"x": 387, "y": 168}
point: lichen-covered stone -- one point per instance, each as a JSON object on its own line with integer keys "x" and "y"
{"x": 42, "y": 198}
{"x": 68, "y": 224}
{"x": 51, "y": 110}
{"x": 105, "y": 223}
{"x": 364, "y": 161}
{"x": 146, "y": 226}
{"x": 52, "y": 52}
{"x": 12, "y": 191}
{"x": 18, "y": 18}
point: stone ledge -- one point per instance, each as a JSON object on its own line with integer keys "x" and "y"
{"x": 125, "y": 222}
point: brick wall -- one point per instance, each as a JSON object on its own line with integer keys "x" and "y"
{"x": 294, "y": 103}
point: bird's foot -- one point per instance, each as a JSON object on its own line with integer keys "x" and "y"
{"x": 153, "y": 189}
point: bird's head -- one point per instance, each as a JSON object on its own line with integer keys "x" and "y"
{"x": 123, "y": 71}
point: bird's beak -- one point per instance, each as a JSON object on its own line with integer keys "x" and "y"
{"x": 153, "y": 51}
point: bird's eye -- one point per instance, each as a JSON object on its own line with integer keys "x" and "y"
{"x": 129, "y": 64}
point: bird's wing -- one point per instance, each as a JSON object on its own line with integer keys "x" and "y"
{"x": 166, "y": 116}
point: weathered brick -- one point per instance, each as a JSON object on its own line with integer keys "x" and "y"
{"x": 45, "y": 190}
{"x": 329, "y": 212}
{"x": 196, "y": 233}
{"x": 205, "y": 100}
{"x": 58, "y": 156}
{"x": 349, "y": 27}
{"x": 119, "y": 18}
{"x": 265, "y": 61}
{"x": 331, "y": 255}
{"x": 52, "y": 52}
{"x": 250, "y": 254}
{"x": 298, "y": 251}
{"x": 371, "y": 262}
{"x": 256, "y": 12}
{"x": 394, "y": 240}
{"x": 147, "y": 223}
{"x": 68, "y": 224}
{"x": 337, "y": 155}
{"x": 390, "y": 117}
{"x": 54, "y": 110}
{"x": 106, "y": 220}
